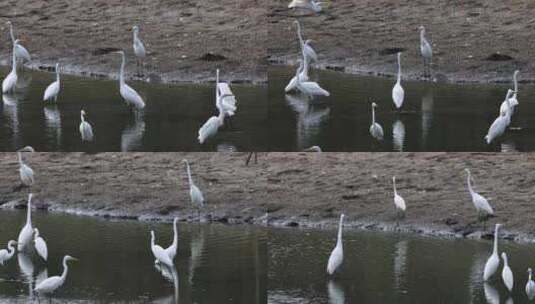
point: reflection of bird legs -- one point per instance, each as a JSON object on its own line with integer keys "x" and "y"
{"x": 249, "y": 158}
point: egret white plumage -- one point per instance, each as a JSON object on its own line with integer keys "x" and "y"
{"x": 337, "y": 255}
{"x": 306, "y": 49}
{"x": 225, "y": 99}
{"x": 25, "y": 172}
{"x": 306, "y": 4}
{"x": 26, "y": 233}
{"x": 292, "y": 85}
{"x": 171, "y": 250}
{"x": 399, "y": 202}
{"x": 482, "y": 205}
{"x": 530, "y": 286}
{"x": 5, "y": 255}
{"x": 129, "y": 95}
{"x": 375, "y": 129}
{"x": 513, "y": 101}
{"x": 159, "y": 253}
{"x": 52, "y": 90}
{"x": 507, "y": 274}
{"x": 426, "y": 51}
{"x": 52, "y": 283}
{"x": 494, "y": 260}
{"x": 21, "y": 53}
{"x": 313, "y": 149}
{"x": 9, "y": 83}
{"x": 197, "y": 199}
{"x": 139, "y": 47}
{"x": 212, "y": 125}
{"x": 500, "y": 124}
{"x": 398, "y": 94}
{"x": 86, "y": 131}
{"x": 40, "y": 245}
{"x": 310, "y": 88}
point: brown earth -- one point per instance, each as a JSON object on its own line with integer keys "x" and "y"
{"x": 359, "y": 36}
{"x": 297, "y": 189}
{"x": 177, "y": 34}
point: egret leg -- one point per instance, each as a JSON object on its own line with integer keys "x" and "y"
{"x": 249, "y": 158}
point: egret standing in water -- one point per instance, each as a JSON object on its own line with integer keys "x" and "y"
{"x": 10, "y": 82}
{"x": 310, "y": 88}
{"x": 530, "y": 286}
{"x": 5, "y": 255}
{"x": 171, "y": 250}
{"x": 139, "y": 48}
{"x": 513, "y": 101}
{"x": 129, "y": 95}
{"x": 25, "y": 235}
{"x": 292, "y": 85}
{"x": 398, "y": 94}
{"x": 482, "y": 205}
{"x": 159, "y": 253}
{"x": 426, "y": 51}
{"x": 51, "y": 284}
{"x": 399, "y": 202}
{"x": 507, "y": 274}
{"x": 375, "y": 129}
{"x": 21, "y": 53}
{"x": 86, "y": 131}
{"x": 40, "y": 245}
{"x": 195, "y": 193}
{"x": 337, "y": 255}
{"x": 225, "y": 99}
{"x": 25, "y": 172}
{"x": 500, "y": 124}
{"x": 52, "y": 90}
{"x": 494, "y": 260}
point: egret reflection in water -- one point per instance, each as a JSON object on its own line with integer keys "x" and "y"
{"x": 398, "y": 135}
{"x": 336, "y": 293}
{"x": 491, "y": 294}
{"x": 132, "y": 135}
{"x": 400, "y": 262}
{"x": 53, "y": 123}
{"x": 27, "y": 270}
{"x": 309, "y": 119}
{"x": 197, "y": 249}
{"x": 427, "y": 115}
{"x": 171, "y": 275}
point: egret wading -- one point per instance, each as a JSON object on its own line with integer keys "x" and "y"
{"x": 52, "y": 90}
{"x": 5, "y": 255}
{"x": 426, "y": 51}
{"x": 171, "y": 250}
{"x": 337, "y": 255}
{"x": 494, "y": 260}
{"x": 483, "y": 207}
{"x": 225, "y": 99}
{"x": 21, "y": 53}
{"x": 500, "y": 124}
{"x": 513, "y": 101}
{"x": 530, "y": 286}
{"x": 86, "y": 131}
{"x": 159, "y": 253}
{"x": 139, "y": 47}
{"x": 40, "y": 245}
{"x": 398, "y": 94}
{"x": 310, "y": 88}
{"x": 292, "y": 85}
{"x": 375, "y": 129}
{"x": 25, "y": 235}
{"x": 507, "y": 274}
{"x": 25, "y": 172}
{"x": 399, "y": 202}
{"x": 130, "y": 96}
{"x": 197, "y": 199}
{"x": 9, "y": 83}
{"x": 52, "y": 283}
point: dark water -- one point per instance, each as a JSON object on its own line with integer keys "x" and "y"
{"x": 435, "y": 117}
{"x": 389, "y": 268}
{"x": 214, "y": 263}
{"x": 170, "y": 122}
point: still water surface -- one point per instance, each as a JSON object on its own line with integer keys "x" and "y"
{"x": 435, "y": 117}
{"x": 389, "y": 268}
{"x": 170, "y": 120}
{"x": 214, "y": 263}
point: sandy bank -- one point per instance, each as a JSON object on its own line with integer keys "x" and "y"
{"x": 473, "y": 41}
{"x": 297, "y": 189}
{"x": 186, "y": 40}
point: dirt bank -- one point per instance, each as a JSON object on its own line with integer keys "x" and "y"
{"x": 297, "y": 189}
{"x": 473, "y": 41}
{"x": 186, "y": 40}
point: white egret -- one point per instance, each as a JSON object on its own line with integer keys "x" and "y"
{"x": 306, "y": 4}
{"x": 399, "y": 202}
{"x": 482, "y": 205}
{"x": 129, "y": 95}
{"x": 500, "y": 124}
{"x": 310, "y": 88}
{"x": 40, "y": 245}
{"x": 507, "y": 274}
{"x": 5, "y": 255}
{"x": 292, "y": 85}
{"x": 313, "y": 149}
{"x": 195, "y": 193}
{"x": 494, "y": 260}
{"x": 86, "y": 131}
{"x": 25, "y": 235}
{"x": 25, "y": 172}
{"x": 52, "y": 90}
{"x": 337, "y": 255}
{"x": 375, "y": 129}
{"x": 10, "y": 82}
{"x": 398, "y": 94}
{"x": 530, "y": 286}
{"x": 306, "y": 49}
{"x": 159, "y": 253}
{"x": 303, "y": 75}
{"x": 513, "y": 101}
{"x": 51, "y": 284}
{"x": 139, "y": 48}
{"x": 210, "y": 127}
{"x": 426, "y": 51}
{"x": 171, "y": 250}
{"x": 225, "y": 99}
{"x": 20, "y": 51}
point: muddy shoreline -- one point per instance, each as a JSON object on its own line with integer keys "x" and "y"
{"x": 473, "y": 41}
{"x": 186, "y": 41}
{"x": 295, "y": 189}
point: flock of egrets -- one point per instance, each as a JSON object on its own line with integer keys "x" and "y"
{"x": 225, "y": 99}
{"x": 483, "y": 209}
{"x": 301, "y": 83}
{"x": 29, "y": 236}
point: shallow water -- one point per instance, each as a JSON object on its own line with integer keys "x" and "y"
{"x": 389, "y": 268}
{"x": 214, "y": 263}
{"x": 434, "y": 117}
{"x": 170, "y": 120}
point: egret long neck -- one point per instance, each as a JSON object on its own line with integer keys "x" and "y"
{"x": 394, "y": 181}
{"x": 373, "y": 115}
{"x": 189, "y": 172}
{"x": 65, "y": 270}
{"x": 11, "y": 248}
{"x": 82, "y": 117}
{"x": 29, "y": 212}
{"x": 515, "y": 82}
{"x": 175, "y": 238}
{"x": 217, "y": 83}
{"x": 339, "y": 241}
{"x": 469, "y": 183}
{"x": 57, "y": 73}
{"x": 301, "y": 43}
{"x": 14, "y": 58}
{"x": 20, "y": 158}
{"x": 422, "y": 36}
{"x": 399, "y": 68}
{"x": 495, "y": 249}
{"x": 121, "y": 74}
